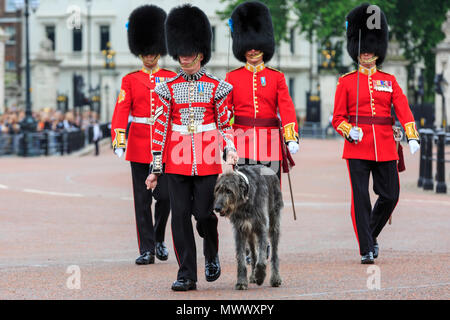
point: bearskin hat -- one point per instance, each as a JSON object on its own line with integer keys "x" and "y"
{"x": 251, "y": 28}
{"x": 372, "y": 40}
{"x": 146, "y": 31}
{"x": 188, "y": 32}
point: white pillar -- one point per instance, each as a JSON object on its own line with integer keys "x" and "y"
{"x": 108, "y": 94}
{"x": 327, "y": 82}
{"x": 3, "y": 38}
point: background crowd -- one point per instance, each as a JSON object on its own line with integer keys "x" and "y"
{"x": 47, "y": 119}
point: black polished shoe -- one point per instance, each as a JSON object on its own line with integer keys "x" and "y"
{"x": 367, "y": 258}
{"x": 146, "y": 258}
{"x": 376, "y": 249}
{"x": 212, "y": 269}
{"x": 184, "y": 285}
{"x": 161, "y": 251}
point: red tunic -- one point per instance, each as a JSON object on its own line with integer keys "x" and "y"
{"x": 260, "y": 93}
{"x": 198, "y": 102}
{"x": 378, "y": 91}
{"x": 138, "y": 98}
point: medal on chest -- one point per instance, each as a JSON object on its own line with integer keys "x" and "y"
{"x": 201, "y": 89}
{"x": 382, "y": 85}
{"x": 263, "y": 81}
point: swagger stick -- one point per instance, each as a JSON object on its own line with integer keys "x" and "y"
{"x": 357, "y": 84}
{"x": 292, "y": 197}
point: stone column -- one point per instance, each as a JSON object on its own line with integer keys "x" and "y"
{"x": 327, "y": 81}
{"x": 44, "y": 77}
{"x": 108, "y": 94}
{"x": 3, "y": 38}
{"x": 443, "y": 66}
{"x": 396, "y": 64}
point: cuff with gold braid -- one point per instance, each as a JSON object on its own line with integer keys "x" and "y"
{"x": 345, "y": 128}
{"x": 411, "y": 131}
{"x": 119, "y": 139}
{"x": 157, "y": 166}
{"x": 290, "y": 134}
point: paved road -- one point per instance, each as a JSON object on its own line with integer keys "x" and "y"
{"x": 59, "y": 212}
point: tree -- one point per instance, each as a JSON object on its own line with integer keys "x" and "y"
{"x": 416, "y": 24}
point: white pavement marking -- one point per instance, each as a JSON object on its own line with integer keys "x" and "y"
{"x": 447, "y": 203}
{"x": 51, "y": 193}
{"x": 288, "y": 203}
{"x": 3, "y": 186}
{"x": 334, "y": 293}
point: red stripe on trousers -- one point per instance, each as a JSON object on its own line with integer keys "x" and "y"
{"x": 353, "y": 205}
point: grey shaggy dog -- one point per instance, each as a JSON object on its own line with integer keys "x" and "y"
{"x": 254, "y": 211}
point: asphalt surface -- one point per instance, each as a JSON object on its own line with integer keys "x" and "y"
{"x": 64, "y": 217}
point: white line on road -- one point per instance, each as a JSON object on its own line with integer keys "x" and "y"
{"x": 3, "y": 186}
{"x": 51, "y": 193}
{"x": 334, "y": 293}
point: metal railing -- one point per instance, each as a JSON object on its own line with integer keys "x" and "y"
{"x": 428, "y": 137}
{"x": 46, "y": 143}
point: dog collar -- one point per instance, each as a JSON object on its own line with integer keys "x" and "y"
{"x": 246, "y": 181}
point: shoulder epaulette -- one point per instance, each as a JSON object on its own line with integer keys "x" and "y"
{"x": 167, "y": 70}
{"x": 379, "y": 70}
{"x": 346, "y": 74}
{"x": 236, "y": 69}
{"x": 134, "y": 71}
{"x": 274, "y": 69}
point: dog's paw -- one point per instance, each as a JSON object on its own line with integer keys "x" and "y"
{"x": 241, "y": 286}
{"x": 275, "y": 281}
{"x": 260, "y": 273}
{"x": 252, "y": 279}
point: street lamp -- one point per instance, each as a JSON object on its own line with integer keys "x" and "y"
{"x": 28, "y": 124}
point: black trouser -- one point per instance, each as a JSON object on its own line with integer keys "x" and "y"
{"x": 369, "y": 222}
{"x": 147, "y": 233}
{"x": 274, "y": 165}
{"x": 192, "y": 195}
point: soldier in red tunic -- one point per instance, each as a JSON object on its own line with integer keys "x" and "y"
{"x": 193, "y": 124}
{"x": 260, "y": 97}
{"x": 367, "y": 125}
{"x": 138, "y": 99}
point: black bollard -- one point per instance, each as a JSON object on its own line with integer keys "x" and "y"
{"x": 428, "y": 183}
{"x": 441, "y": 186}
{"x": 422, "y": 156}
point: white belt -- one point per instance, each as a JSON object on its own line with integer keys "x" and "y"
{"x": 183, "y": 129}
{"x": 144, "y": 120}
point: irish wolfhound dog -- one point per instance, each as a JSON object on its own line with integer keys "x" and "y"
{"x": 251, "y": 198}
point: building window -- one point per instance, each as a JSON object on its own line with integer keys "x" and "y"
{"x": 213, "y": 45}
{"x": 292, "y": 88}
{"x": 10, "y": 65}
{"x": 77, "y": 36}
{"x": 50, "y": 34}
{"x": 104, "y": 37}
{"x": 10, "y": 6}
{"x": 292, "y": 40}
{"x": 11, "y": 33}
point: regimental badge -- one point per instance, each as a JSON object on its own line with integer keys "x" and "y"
{"x": 382, "y": 85}
{"x": 122, "y": 95}
{"x": 263, "y": 81}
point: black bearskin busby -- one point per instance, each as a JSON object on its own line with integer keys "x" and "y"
{"x": 251, "y": 28}
{"x": 188, "y": 32}
{"x": 372, "y": 40}
{"x": 146, "y": 31}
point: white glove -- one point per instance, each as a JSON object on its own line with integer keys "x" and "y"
{"x": 293, "y": 147}
{"x": 413, "y": 146}
{"x": 356, "y": 134}
{"x": 119, "y": 152}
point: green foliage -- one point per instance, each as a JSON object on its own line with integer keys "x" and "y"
{"x": 416, "y": 24}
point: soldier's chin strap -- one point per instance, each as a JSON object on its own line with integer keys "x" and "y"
{"x": 370, "y": 60}
{"x": 190, "y": 65}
